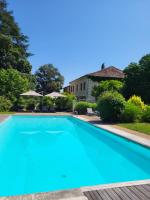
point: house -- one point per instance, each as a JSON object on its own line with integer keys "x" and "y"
{"x": 82, "y": 86}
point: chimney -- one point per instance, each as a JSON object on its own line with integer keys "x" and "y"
{"x": 103, "y": 66}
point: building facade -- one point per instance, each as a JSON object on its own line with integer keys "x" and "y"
{"x": 82, "y": 87}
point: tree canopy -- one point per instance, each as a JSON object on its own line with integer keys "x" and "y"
{"x": 137, "y": 79}
{"x": 14, "y": 44}
{"x": 48, "y": 79}
{"x": 12, "y": 84}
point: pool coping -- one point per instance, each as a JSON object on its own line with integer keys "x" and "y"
{"x": 78, "y": 193}
{"x": 138, "y": 139}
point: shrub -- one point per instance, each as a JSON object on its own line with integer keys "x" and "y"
{"x": 132, "y": 113}
{"x": 111, "y": 106}
{"x": 47, "y": 103}
{"x": 81, "y": 106}
{"x": 5, "y": 104}
{"x": 32, "y": 103}
{"x": 65, "y": 103}
{"x": 137, "y": 101}
{"x": 146, "y": 114}
{"x": 21, "y": 104}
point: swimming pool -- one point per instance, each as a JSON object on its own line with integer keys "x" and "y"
{"x": 42, "y": 153}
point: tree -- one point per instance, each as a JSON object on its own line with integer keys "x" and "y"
{"x": 14, "y": 44}
{"x": 137, "y": 79}
{"x": 48, "y": 79}
{"x": 12, "y": 84}
{"x": 109, "y": 85}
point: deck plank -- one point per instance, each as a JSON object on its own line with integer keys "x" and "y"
{"x": 113, "y": 194}
{"x": 104, "y": 195}
{"x": 121, "y": 194}
{"x": 143, "y": 190}
{"x": 147, "y": 187}
{"x": 88, "y": 195}
{"x": 136, "y": 192}
{"x": 97, "y": 196}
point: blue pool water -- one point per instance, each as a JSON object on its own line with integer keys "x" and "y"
{"x": 39, "y": 154}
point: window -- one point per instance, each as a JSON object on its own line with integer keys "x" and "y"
{"x": 84, "y": 86}
{"x": 77, "y": 87}
{"x": 72, "y": 88}
{"x": 81, "y": 86}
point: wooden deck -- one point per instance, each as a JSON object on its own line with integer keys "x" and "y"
{"x": 139, "y": 192}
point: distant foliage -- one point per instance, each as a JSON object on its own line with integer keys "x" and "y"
{"x": 109, "y": 85}
{"x": 111, "y": 105}
{"x": 48, "y": 79}
{"x": 137, "y": 101}
{"x": 137, "y": 79}
{"x": 81, "y": 107}
{"x": 146, "y": 114}
{"x": 132, "y": 113}
{"x": 5, "y": 104}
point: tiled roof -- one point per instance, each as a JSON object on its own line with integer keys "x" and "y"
{"x": 109, "y": 72}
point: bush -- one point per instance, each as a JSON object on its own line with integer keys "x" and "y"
{"x": 81, "y": 106}
{"x": 111, "y": 106}
{"x": 47, "y": 103}
{"x": 146, "y": 114}
{"x": 65, "y": 103}
{"x": 132, "y": 113}
{"x": 5, "y": 104}
{"x": 137, "y": 101}
{"x": 21, "y": 104}
{"x": 32, "y": 103}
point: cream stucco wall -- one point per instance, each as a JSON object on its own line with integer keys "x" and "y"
{"x": 85, "y": 93}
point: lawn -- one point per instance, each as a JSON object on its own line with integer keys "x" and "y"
{"x": 7, "y": 113}
{"x": 140, "y": 127}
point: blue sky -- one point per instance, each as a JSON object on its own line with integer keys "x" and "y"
{"x": 77, "y": 36}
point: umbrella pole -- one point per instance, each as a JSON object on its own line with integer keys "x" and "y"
{"x": 42, "y": 101}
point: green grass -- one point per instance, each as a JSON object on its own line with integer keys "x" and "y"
{"x": 140, "y": 127}
{"x": 7, "y": 113}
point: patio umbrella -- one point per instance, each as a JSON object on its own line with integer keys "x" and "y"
{"x": 55, "y": 95}
{"x": 31, "y": 93}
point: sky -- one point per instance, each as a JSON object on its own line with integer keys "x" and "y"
{"x": 77, "y": 36}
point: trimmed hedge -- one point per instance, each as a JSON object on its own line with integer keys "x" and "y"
{"x": 81, "y": 107}
{"x": 111, "y": 106}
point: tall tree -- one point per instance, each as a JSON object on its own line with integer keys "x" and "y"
{"x": 137, "y": 79}
{"x": 14, "y": 44}
{"x": 48, "y": 79}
